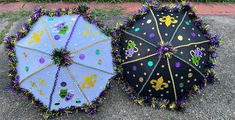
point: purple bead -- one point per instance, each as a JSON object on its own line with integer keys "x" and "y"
{"x": 193, "y": 34}
{"x": 56, "y": 37}
{"x": 152, "y": 35}
{"x": 82, "y": 57}
{"x": 177, "y": 64}
{"x": 41, "y": 60}
{"x": 134, "y": 68}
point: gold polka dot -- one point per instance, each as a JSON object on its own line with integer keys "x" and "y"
{"x": 180, "y": 37}
{"x": 99, "y": 62}
{"x": 190, "y": 75}
{"x": 149, "y": 21}
{"x": 141, "y": 79}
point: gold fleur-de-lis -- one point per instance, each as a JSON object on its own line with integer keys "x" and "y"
{"x": 159, "y": 84}
{"x": 168, "y": 20}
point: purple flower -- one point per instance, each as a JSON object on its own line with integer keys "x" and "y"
{"x": 144, "y": 9}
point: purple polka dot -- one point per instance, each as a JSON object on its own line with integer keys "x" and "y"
{"x": 177, "y": 64}
{"x": 57, "y": 37}
{"x": 152, "y": 35}
{"x": 41, "y": 60}
{"x": 134, "y": 68}
{"x": 193, "y": 34}
{"x": 82, "y": 57}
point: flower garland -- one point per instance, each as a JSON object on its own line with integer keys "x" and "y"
{"x": 157, "y": 102}
{"x": 10, "y": 41}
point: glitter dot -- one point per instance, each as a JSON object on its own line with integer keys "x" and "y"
{"x": 137, "y": 29}
{"x": 63, "y": 84}
{"x": 149, "y": 21}
{"x": 187, "y": 23}
{"x": 26, "y": 68}
{"x": 82, "y": 57}
{"x": 41, "y": 60}
{"x": 99, "y": 62}
{"x": 97, "y": 52}
{"x": 152, "y": 35}
{"x": 134, "y": 68}
{"x": 177, "y": 64}
{"x": 180, "y": 37}
{"x": 56, "y": 37}
{"x": 190, "y": 75}
{"x": 150, "y": 63}
{"x": 141, "y": 79}
{"x": 181, "y": 85}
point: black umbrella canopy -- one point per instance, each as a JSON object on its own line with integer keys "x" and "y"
{"x": 165, "y": 54}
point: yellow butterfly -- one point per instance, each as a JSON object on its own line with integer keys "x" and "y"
{"x": 36, "y": 37}
{"x": 159, "y": 84}
{"x": 168, "y": 20}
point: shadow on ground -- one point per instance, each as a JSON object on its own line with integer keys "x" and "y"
{"x": 216, "y": 102}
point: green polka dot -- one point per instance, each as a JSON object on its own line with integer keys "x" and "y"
{"x": 187, "y": 23}
{"x": 97, "y": 52}
{"x": 137, "y": 29}
{"x": 150, "y": 63}
{"x": 26, "y": 68}
{"x": 181, "y": 85}
{"x": 50, "y": 19}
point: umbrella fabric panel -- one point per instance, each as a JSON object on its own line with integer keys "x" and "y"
{"x": 41, "y": 83}
{"x": 197, "y": 55}
{"x": 59, "y": 28}
{"x": 37, "y": 38}
{"x": 97, "y": 56}
{"x": 185, "y": 76}
{"x": 133, "y": 48}
{"x": 137, "y": 73}
{"x": 30, "y": 60}
{"x": 188, "y": 33}
{"x": 91, "y": 81}
{"x": 85, "y": 34}
{"x": 167, "y": 22}
{"x": 67, "y": 92}
{"x": 145, "y": 28}
{"x": 159, "y": 84}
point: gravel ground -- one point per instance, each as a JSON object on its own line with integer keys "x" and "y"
{"x": 217, "y": 102}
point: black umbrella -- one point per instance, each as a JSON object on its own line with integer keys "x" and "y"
{"x": 165, "y": 53}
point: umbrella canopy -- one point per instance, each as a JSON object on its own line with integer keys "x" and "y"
{"x": 165, "y": 54}
{"x": 64, "y": 61}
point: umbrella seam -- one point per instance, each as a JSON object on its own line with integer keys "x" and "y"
{"x": 187, "y": 45}
{"x": 49, "y": 36}
{"x": 158, "y": 31}
{"x": 150, "y": 75}
{"x": 67, "y": 42}
{"x": 172, "y": 78}
{"x": 32, "y": 49}
{"x": 93, "y": 68}
{"x": 35, "y": 73}
{"x": 90, "y": 45}
{"x": 54, "y": 86}
{"x": 190, "y": 65}
{"x": 78, "y": 85}
{"x": 178, "y": 27}
{"x": 139, "y": 38}
{"x": 136, "y": 60}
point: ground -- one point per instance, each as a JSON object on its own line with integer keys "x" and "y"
{"x": 217, "y": 102}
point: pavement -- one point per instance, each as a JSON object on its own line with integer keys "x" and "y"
{"x": 127, "y": 7}
{"x": 217, "y": 102}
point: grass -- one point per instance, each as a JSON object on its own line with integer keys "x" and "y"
{"x": 102, "y": 14}
{"x": 11, "y": 17}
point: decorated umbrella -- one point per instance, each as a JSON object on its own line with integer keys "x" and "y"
{"x": 61, "y": 60}
{"x": 165, "y": 53}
